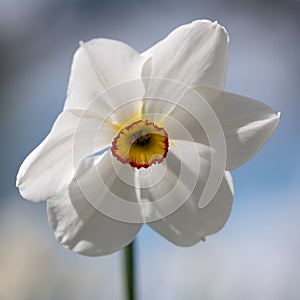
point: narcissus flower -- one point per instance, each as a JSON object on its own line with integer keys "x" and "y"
{"x": 145, "y": 138}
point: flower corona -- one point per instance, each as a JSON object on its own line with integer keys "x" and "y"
{"x": 141, "y": 144}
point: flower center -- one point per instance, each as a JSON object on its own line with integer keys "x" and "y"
{"x": 141, "y": 144}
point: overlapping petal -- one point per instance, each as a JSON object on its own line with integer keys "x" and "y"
{"x": 246, "y": 123}
{"x": 100, "y": 72}
{"x": 193, "y": 54}
{"x": 78, "y": 225}
{"x": 183, "y": 176}
{"x": 183, "y": 182}
{"x": 190, "y": 224}
{"x": 49, "y": 168}
{"x": 109, "y": 186}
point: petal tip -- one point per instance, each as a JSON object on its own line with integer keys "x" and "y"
{"x": 19, "y": 177}
{"x": 215, "y": 24}
{"x": 18, "y": 181}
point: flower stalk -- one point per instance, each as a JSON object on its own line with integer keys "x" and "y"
{"x": 129, "y": 270}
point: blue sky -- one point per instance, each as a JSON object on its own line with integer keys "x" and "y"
{"x": 255, "y": 255}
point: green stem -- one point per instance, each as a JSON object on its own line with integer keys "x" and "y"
{"x": 129, "y": 270}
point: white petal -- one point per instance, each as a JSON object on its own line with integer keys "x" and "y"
{"x": 99, "y": 67}
{"x": 109, "y": 186}
{"x": 193, "y": 54}
{"x": 50, "y": 166}
{"x": 190, "y": 224}
{"x": 79, "y": 226}
{"x": 246, "y": 123}
{"x": 168, "y": 185}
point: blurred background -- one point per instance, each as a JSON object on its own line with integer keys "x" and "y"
{"x": 255, "y": 256}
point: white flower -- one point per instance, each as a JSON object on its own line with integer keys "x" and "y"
{"x": 138, "y": 139}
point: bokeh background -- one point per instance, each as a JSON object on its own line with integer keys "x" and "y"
{"x": 255, "y": 256}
